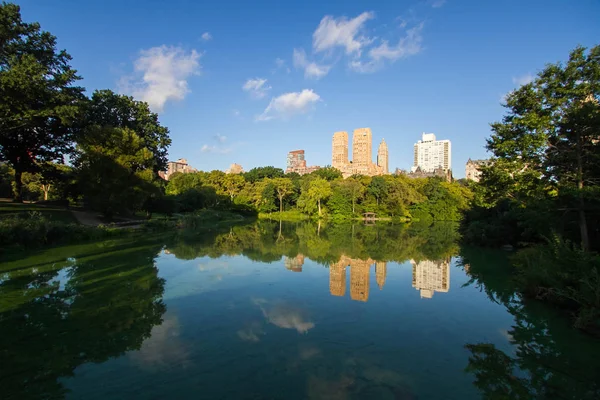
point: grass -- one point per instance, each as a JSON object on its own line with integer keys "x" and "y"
{"x": 290, "y": 216}
{"x": 8, "y": 209}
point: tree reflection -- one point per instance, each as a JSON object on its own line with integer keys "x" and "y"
{"x": 268, "y": 241}
{"x": 57, "y": 313}
{"x": 547, "y": 363}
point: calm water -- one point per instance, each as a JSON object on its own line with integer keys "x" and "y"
{"x": 282, "y": 311}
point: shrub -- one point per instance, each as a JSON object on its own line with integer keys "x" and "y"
{"x": 563, "y": 274}
{"x": 33, "y": 229}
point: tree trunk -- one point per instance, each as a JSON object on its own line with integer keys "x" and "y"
{"x": 585, "y": 241}
{"x": 18, "y": 192}
{"x": 352, "y": 205}
{"x": 319, "y": 204}
{"x": 46, "y": 189}
{"x": 280, "y": 204}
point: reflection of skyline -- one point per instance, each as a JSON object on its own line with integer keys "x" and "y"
{"x": 431, "y": 276}
{"x": 359, "y": 277}
{"x": 294, "y": 264}
{"x": 427, "y": 276}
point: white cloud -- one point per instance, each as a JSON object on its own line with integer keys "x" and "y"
{"x": 437, "y": 3}
{"x": 257, "y": 87}
{"x": 206, "y": 36}
{"x": 311, "y": 69}
{"x": 523, "y": 80}
{"x": 289, "y": 104}
{"x": 162, "y": 75}
{"x": 236, "y": 113}
{"x": 280, "y": 64}
{"x": 406, "y": 46}
{"x": 342, "y": 32}
{"x": 215, "y": 149}
{"x": 218, "y": 148}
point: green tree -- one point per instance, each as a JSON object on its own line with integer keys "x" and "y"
{"x": 355, "y": 189}
{"x": 283, "y": 188}
{"x": 377, "y": 188}
{"x": 260, "y": 173}
{"x": 108, "y": 109}
{"x": 318, "y": 190}
{"x": 328, "y": 173}
{"x": 233, "y": 184}
{"x": 115, "y": 170}
{"x": 38, "y": 99}
{"x": 549, "y": 141}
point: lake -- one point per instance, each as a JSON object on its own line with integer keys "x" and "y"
{"x": 282, "y": 311}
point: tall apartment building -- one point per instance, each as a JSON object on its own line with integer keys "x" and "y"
{"x": 382, "y": 157}
{"x": 431, "y": 154}
{"x": 430, "y": 276}
{"x": 180, "y": 165}
{"x": 362, "y": 154}
{"x": 297, "y": 163}
{"x": 339, "y": 158}
{"x": 473, "y": 169}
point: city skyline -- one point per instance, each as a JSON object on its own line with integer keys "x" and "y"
{"x": 228, "y": 97}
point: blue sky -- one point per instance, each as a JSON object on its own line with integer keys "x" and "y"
{"x": 247, "y": 82}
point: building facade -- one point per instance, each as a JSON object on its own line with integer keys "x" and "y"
{"x": 235, "y": 169}
{"x": 180, "y": 165}
{"x": 431, "y": 154}
{"x": 362, "y": 154}
{"x": 473, "y": 169}
{"x": 383, "y": 157}
{"x": 418, "y": 173}
{"x": 297, "y": 163}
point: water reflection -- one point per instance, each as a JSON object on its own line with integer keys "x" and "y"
{"x": 58, "y": 312}
{"x": 549, "y": 360}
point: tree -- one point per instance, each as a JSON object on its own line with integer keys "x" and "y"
{"x": 328, "y": 173}
{"x": 233, "y": 183}
{"x": 108, "y": 109}
{"x": 356, "y": 190}
{"x": 377, "y": 188}
{"x": 549, "y": 139}
{"x": 283, "y": 187}
{"x": 319, "y": 189}
{"x": 260, "y": 173}
{"x": 38, "y": 102}
{"x": 115, "y": 170}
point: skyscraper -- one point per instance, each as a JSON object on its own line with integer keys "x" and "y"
{"x": 362, "y": 155}
{"x": 382, "y": 157}
{"x": 431, "y": 154}
{"x": 362, "y": 151}
{"x": 339, "y": 157}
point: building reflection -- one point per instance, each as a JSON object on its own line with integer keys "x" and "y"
{"x": 359, "y": 277}
{"x": 294, "y": 264}
{"x": 428, "y": 276}
{"x": 431, "y": 276}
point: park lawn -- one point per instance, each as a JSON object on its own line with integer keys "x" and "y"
{"x": 53, "y": 213}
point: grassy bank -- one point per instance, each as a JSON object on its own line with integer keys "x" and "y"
{"x": 289, "y": 216}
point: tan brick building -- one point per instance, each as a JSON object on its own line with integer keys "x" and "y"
{"x": 362, "y": 154}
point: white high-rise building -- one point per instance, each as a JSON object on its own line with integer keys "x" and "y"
{"x": 431, "y": 154}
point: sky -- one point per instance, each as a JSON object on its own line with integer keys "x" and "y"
{"x": 247, "y": 82}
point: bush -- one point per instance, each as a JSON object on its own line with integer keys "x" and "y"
{"x": 33, "y": 229}
{"x": 563, "y": 274}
